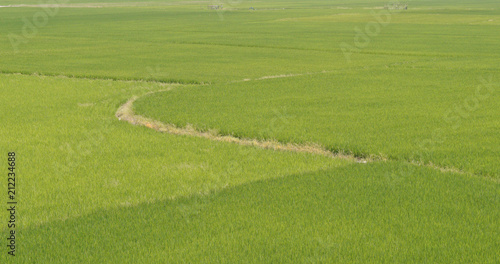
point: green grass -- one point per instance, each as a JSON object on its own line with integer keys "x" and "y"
{"x": 124, "y": 42}
{"x": 373, "y": 105}
{"x": 92, "y": 188}
{"x": 348, "y": 214}
{"x": 76, "y": 157}
{"x": 389, "y": 112}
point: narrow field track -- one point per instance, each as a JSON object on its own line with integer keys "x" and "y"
{"x": 126, "y": 113}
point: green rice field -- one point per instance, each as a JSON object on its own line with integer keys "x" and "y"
{"x": 280, "y": 131}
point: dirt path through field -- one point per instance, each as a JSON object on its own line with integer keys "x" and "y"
{"x": 281, "y": 76}
{"x": 126, "y": 113}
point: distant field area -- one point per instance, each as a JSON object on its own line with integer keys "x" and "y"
{"x": 294, "y": 131}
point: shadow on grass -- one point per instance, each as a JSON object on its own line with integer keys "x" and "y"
{"x": 349, "y": 214}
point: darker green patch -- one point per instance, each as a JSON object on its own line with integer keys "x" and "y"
{"x": 382, "y": 212}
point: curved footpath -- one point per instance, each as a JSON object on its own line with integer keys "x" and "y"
{"x": 126, "y": 113}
